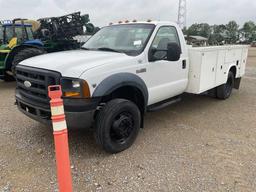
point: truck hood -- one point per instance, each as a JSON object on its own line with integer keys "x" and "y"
{"x": 74, "y": 63}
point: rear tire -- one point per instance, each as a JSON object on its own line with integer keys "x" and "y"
{"x": 224, "y": 91}
{"x": 25, "y": 54}
{"x": 117, "y": 125}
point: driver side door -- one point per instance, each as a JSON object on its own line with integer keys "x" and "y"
{"x": 165, "y": 79}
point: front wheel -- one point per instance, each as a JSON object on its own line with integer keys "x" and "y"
{"x": 117, "y": 125}
{"x": 224, "y": 91}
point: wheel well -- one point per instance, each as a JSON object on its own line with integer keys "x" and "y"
{"x": 130, "y": 93}
{"x": 233, "y": 70}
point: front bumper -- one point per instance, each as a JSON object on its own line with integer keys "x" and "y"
{"x": 79, "y": 112}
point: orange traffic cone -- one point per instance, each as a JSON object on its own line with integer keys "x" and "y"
{"x": 60, "y": 133}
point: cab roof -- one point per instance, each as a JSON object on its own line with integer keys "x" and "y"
{"x": 145, "y": 22}
{"x": 16, "y": 25}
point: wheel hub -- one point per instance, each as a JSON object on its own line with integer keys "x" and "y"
{"x": 122, "y": 128}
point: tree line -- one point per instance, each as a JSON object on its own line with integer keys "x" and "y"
{"x": 224, "y": 34}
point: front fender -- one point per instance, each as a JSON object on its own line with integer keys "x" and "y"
{"x": 113, "y": 82}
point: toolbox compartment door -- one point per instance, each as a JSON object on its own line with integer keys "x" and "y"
{"x": 209, "y": 66}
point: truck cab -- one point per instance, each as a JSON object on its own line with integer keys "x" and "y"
{"x": 145, "y": 44}
{"x": 121, "y": 72}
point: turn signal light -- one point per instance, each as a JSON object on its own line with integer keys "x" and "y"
{"x": 85, "y": 89}
{"x": 76, "y": 88}
{"x": 72, "y": 94}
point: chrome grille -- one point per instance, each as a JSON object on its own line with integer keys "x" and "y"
{"x": 39, "y": 81}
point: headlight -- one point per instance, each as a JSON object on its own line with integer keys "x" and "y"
{"x": 75, "y": 88}
{"x": 75, "y": 84}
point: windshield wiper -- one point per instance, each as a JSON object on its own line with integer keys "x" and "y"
{"x": 108, "y": 49}
{"x": 84, "y": 48}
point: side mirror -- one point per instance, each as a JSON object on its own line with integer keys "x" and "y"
{"x": 173, "y": 52}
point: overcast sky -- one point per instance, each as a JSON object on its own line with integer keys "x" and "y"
{"x": 103, "y": 12}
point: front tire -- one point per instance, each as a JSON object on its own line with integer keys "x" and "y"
{"x": 117, "y": 125}
{"x": 224, "y": 91}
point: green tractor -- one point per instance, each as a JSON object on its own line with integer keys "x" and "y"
{"x": 22, "y": 39}
{"x": 1, "y": 34}
{"x": 12, "y": 34}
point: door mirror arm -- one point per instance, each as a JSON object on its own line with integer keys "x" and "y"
{"x": 151, "y": 54}
{"x": 173, "y": 53}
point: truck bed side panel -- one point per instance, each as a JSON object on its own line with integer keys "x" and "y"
{"x": 209, "y": 66}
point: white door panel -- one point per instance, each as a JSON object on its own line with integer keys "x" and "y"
{"x": 165, "y": 79}
{"x": 162, "y": 92}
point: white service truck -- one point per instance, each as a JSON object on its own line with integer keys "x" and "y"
{"x": 123, "y": 71}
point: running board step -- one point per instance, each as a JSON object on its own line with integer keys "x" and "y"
{"x": 163, "y": 104}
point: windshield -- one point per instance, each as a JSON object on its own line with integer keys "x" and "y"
{"x": 19, "y": 30}
{"x": 130, "y": 39}
{"x": 30, "y": 33}
{"x": 8, "y": 33}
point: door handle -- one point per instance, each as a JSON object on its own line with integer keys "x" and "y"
{"x": 184, "y": 64}
{"x": 143, "y": 70}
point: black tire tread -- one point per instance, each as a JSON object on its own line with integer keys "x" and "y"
{"x": 221, "y": 89}
{"x": 25, "y": 54}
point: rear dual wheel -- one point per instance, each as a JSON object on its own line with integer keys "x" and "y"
{"x": 117, "y": 125}
{"x": 224, "y": 91}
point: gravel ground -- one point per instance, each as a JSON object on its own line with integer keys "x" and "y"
{"x": 198, "y": 144}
